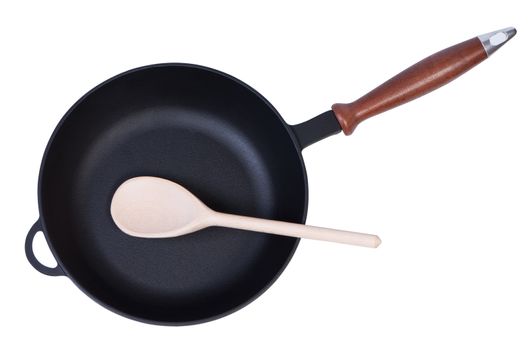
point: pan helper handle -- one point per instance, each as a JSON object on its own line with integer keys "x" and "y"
{"x": 421, "y": 78}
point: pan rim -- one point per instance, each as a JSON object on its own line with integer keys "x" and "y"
{"x": 60, "y": 263}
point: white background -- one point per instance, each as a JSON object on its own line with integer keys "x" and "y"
{"x": 445, "y": 181}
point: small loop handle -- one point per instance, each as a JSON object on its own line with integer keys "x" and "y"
{"x": 50, "y": 271}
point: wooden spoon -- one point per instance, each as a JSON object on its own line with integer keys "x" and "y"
{"x": 152, "y": 207}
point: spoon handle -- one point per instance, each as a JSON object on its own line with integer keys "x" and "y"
{"x": 294, "y": 230}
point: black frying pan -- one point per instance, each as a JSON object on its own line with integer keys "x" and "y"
{"x": 221, "y": 140}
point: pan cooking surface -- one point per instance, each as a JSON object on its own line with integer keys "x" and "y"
{"x": 203, "y": 130}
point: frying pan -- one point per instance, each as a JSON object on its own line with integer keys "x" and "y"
{"x": 224, "y": 142}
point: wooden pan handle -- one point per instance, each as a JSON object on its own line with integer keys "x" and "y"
{"x": 421, "y": 78}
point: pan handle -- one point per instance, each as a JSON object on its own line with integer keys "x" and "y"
{"x": 50, "y": 271}
{"x": 421, "y": 78}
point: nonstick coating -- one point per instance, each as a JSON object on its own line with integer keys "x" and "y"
{"x": 203, "y": 129}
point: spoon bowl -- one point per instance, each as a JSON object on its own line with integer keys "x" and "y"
{"x": 155, "y": 207}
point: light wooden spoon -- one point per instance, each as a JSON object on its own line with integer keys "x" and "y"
{"x": 152, "y": 207}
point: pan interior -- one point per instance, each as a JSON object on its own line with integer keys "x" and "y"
{"x": 202, "y": 129}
